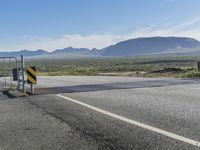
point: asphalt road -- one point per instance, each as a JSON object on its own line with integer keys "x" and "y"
{"x": 2, "y": 96}
{"x": 104, "y": 113}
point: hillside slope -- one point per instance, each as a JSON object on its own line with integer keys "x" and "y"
{"x": 150, "y": 45}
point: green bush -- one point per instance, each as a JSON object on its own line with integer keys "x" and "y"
{"x": 193, "y": 74}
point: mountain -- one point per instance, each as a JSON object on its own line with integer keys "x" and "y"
{"x": 95, "y": 52}
{"x": 151, "y": 45}
{"x": 26, "y": 53}
{"x": 71, "y": 50}
{"x": 181, "y": 46}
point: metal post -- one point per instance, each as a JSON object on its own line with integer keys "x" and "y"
{"x": 32, "y": 89}
{"x": 18, "y": 76}
{"x": 10, "y": 72}
{"x": 4, "y": 64}
{"x": 198, "y": 66}
{"x": 23, "y": 74}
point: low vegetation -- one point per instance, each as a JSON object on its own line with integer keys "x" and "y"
{"x": 136, "y": 66}
{"x": 193, "y": 74}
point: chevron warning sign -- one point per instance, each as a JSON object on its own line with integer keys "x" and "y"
{"x": 31, "y": 75}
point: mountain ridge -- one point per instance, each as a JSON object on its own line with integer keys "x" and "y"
{"x": 149, "y": 45}
{"x": 131, "y": 47}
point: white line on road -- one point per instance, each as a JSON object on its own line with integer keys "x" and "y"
{"x": 136, "y": 123}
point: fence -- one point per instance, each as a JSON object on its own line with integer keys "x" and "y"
{"x": 7, "y": 64}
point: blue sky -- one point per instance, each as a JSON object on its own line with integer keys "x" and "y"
{"x": 51, "y": 24}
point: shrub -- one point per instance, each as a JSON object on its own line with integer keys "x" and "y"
{"x": 193, "y": 74}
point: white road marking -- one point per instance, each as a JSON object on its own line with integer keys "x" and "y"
{"x": 136, "y": 123}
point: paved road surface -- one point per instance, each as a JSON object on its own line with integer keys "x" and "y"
{"x": 106, "y": 113}
{"x": 2, "y": 96}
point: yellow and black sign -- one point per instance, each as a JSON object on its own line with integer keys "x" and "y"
{"x": 31, "y": 75}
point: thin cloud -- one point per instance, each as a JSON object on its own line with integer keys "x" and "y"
{"x": 68, "y": 40}
{"x": 190, "y": 28}
{"x": 195, "y": 22}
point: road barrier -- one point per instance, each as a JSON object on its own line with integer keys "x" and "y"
{"x": 31, "y": 75}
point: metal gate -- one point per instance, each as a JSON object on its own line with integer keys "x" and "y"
{"x": 7, "y": 64}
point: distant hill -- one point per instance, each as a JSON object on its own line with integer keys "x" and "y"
{"x": 151, "y": 45}
{"x": 26, "y": 53}
{"x": 140, "y": 46}
{"x": 72, "y": 52}
{"x": 58, "y": 53}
